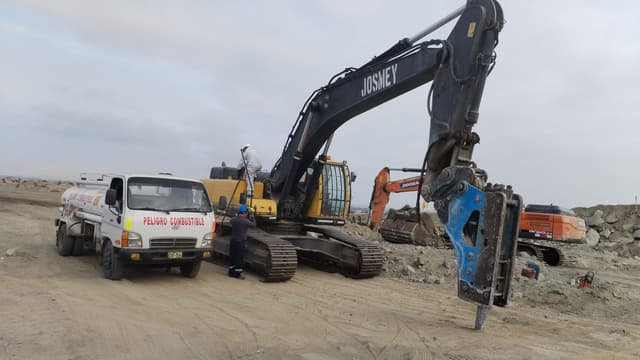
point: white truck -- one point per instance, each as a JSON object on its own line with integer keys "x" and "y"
{"x": 137, "y": 219}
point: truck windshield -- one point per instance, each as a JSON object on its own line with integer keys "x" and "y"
{"x": 166, "y": 195}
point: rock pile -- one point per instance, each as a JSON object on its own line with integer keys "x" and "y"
{"x": 556, "y": 287}
{"x": 414, "y": 263}
{"x": 613, "y": 227}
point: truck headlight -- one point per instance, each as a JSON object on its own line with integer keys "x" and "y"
{"x": 131, "y": 239}
{"x": 207, "y": 239}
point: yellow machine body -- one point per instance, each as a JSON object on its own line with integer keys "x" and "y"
{"x": 329, "y": 204}
{"x": 231, "y": 189}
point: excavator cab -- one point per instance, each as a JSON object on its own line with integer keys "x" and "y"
{"x": 332, "y": 199}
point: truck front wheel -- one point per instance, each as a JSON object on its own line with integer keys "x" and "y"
{"x": 78, "y": 246}
{"x": 112, "y": 267}
{"x": 190, "y": 269}
{"x": 64, "y": 243}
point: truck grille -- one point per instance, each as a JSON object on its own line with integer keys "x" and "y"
{"x": 173, "y": 243}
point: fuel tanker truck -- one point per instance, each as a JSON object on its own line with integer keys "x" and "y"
{"x": 157, "y": 220}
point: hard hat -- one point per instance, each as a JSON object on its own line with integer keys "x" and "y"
{"x": 245, "y": 146}
{"x": 243, "y": 209}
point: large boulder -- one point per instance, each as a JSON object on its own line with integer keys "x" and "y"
{"x": 629, "y": 250}
{"x": 634, "y": 248}
{"x": 592, "y": 238}
{"x": 620, "y": 237}
{"x": 596, "y": 219}
{"x": 612, "y": 218}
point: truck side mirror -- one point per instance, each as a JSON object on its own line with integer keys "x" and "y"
{"x": 353, "y": 176}
{"x": 222, "y": 202}
{"x": 111, "y": 197}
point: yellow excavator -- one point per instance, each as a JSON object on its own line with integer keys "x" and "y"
{"x": 281, "y": 239}
{"x": 306, "y": 192}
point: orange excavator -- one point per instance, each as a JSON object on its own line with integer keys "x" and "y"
{"x": 552, "y": 222}
{"x": 406, "y": 225}
{"x": 540, "y": 225}
{"x": 382, "y": 189}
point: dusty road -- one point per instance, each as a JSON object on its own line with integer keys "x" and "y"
{"x": 61, "y": 308}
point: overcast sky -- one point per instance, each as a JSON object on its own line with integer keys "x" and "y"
{"x": 180, "y": 86}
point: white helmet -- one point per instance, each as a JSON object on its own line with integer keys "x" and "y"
{"x": 245, "y": 147}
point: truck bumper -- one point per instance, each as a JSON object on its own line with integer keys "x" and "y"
{"x": 163, "y": 256}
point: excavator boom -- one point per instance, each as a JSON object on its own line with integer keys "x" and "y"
{"x": 458, "y": 67}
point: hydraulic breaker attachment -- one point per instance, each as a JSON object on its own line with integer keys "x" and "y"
{"x": 483, "y": 228}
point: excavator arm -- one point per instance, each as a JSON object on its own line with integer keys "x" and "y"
{"x": 458, "y": 67}
{"x": 481, "y": 219}
{"x": 383, "y": 187}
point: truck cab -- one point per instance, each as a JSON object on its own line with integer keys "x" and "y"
{"x": 138, "y": 219}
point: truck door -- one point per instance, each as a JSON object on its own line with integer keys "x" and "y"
{"x": 113, "y": 215}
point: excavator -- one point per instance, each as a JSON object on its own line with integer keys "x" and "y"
{"x": 540, "y": 225}
{"x": 406, "y": 225}
{"x": 307, "y": 193}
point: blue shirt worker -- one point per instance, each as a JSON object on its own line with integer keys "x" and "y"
{"x": 239, "y": 226}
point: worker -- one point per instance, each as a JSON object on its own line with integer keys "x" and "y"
{"x": 251, "y": 165}
{"x": 239, "y": 226}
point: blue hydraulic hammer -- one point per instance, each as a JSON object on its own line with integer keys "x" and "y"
{"x": 483, "y": 228}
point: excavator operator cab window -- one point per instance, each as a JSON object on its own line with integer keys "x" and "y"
{"x": 334, "y": 191}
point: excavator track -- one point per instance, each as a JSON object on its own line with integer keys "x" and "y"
{"x": 551, "y": 255}
{"x": 275, "y": 259}
{"x": 282, "y": 227}
{"x": 370, "y": 256}
{"x": 281, "y": 257}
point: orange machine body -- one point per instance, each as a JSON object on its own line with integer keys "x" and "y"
{"x": 549, "y": 222}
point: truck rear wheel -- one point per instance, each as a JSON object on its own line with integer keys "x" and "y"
{"x": 64, "y": 243}
{"x": 112, "y": 267}
{"x": 190, "y": 269}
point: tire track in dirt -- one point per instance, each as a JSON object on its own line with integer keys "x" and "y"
{"x": 357, "y": 300}
{"x": 209, "y": 292}
{"x": 393, "y": 340}
{"x": 422, "y": 339}
{"x": 327, "y": 322}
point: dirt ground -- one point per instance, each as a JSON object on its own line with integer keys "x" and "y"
{"x": 61, "y": 308}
